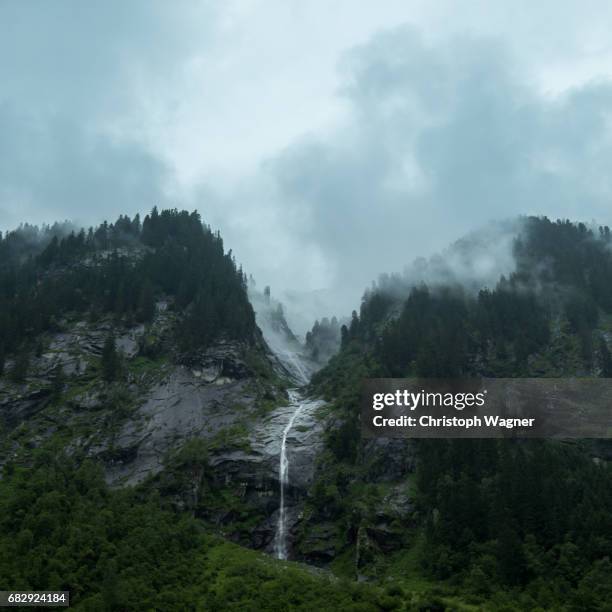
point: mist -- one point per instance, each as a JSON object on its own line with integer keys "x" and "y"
{"x": 404, "y": 129}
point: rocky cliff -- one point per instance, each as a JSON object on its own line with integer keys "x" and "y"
{"x": 230, "y": 398}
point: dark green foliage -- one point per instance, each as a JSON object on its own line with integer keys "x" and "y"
{"x": 58, "y": 380}
{"x": 110, "y": 359}
{"x": 568, "y": 254}
{"x": 581, "y": 312}
{"x": 437, "y": 332}
{"x": 344, "y": 336}
{"x": 146, "y": 302}
{"x": 323, "y": 340}
{"x": 120, "y": 268}
{"x": 510, "y": 317}
{"x": 605, "y": 359}
{"x": 530, "y": 518}
{"x": 61, "y": 528}
{"x": 524, "y": 504}
{"x": 429, "y": 337}
{"x": 21, "y": 366}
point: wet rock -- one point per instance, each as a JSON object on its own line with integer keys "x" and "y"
{"x": 262, "y": 537}
{"x": 128, "y": 343}
{"x": 365, "y": 549}
{"x": 384, "y": 536}
{"x": 177, "y": 409}
{"x": 19, "y": 403}
{"x": 224, "y": 359}
{"x": 255, "y": 471}
{"x": 89, "y": 400}
{"x": 398, "y": 504}
{"x": 71, "y": 364}
{"x": 212, "y": 392}
{"x": 392, "y": 459}
{"x": 318, "y": 544}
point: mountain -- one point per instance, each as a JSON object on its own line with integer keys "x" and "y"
{"x": 497, "y": 523}
{"x": 166, "y": 440}
{"x": 141, "y": 418}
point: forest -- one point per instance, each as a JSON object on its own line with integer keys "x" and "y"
{"x": 61, "y": 527}
{"x": 487, "y": 524}
{"x": 497, "y": 518}
{"x": 121, "y": 269}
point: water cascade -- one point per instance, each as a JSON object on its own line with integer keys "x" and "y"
{"x": 280, "y": 539}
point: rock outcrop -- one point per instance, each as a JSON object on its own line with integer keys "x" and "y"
{"x": 230, "y": 396}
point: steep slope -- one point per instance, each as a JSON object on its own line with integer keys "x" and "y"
{"x": 128, "y": 339}
{"x": 495, "y": 521}
{"x": 142, "y": 385}
{"x": 136, "y": 347}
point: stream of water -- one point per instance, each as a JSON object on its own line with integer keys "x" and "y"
{"x": 300, "y": 371}
{"x": 280, "y": 539}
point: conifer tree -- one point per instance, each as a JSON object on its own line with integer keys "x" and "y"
{"x": 344, "y": 336}
{"x": 110, "y": 359}
{"x": 146, "y": 302}
{"x": 58, "y": 380}
{"x": 21, "y": 366}
{"x": 605, "y": 359}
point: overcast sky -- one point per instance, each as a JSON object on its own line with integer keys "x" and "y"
{"x": 328, "y": 141}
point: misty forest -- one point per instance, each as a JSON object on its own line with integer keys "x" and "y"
{"x": 168, "y": 442}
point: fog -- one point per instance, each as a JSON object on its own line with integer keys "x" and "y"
{"x": 328, "y": 145}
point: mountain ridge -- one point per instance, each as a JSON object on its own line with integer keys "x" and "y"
{"x": 145, "y": 373}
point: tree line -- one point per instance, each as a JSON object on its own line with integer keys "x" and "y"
{"x": 171, "y": 254}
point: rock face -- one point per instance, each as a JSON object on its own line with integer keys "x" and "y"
{"x": 373, "y": 529}
{"x": 20, "y": 404}
{"x": 71, "y": 349}
{"x": 230, "y": 396}
{"x": 218, "y": 364}
{"x": 180, "y": 407}
{"x": 255, "y": 471}
{"x": 392, "y": 458}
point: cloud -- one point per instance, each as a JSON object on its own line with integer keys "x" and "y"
{"x": 441, "y": 138}
{"x": 75, "y": 79}
{"x": 328, "y": 146}
{"x": 54, "y": 170}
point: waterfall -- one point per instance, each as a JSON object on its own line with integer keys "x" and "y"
{"x": 291, "y": 356}
{"x": 280, "y": 539}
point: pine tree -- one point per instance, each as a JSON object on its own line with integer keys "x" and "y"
{"x": 344, "y": 336}
{"x": 136, "y": 225}
{"x": 57, "y": 380}
{"x": 110, "y": 359}
{"x": 146, "y": 303}
{"x": 605, "y": 360}
{"x": 354, "y": 326}
{"x": 510, "y": 557}
{"x": 21, "y": 366}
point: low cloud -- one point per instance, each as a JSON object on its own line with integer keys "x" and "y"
{"x": 54, "y": 170}
{"x": 440, "y": 140}
{"x": 107, "y": 109}
{"x": 76, "y": 82}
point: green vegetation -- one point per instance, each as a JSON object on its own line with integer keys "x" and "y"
{"x": 110, "y": 359}
{"x": 61, "y": 528}
{"x": 119, "y": 269}
{"x": 434, "y": 525}
{"x": 496, "y": 524}
{"x": 323, "y": 339}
